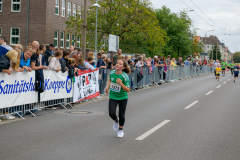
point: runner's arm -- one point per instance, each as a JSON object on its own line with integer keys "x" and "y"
{"x": 125, "y": 88}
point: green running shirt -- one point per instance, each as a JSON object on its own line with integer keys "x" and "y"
{"x": 224, "y": 64}
{"x": 116, "y": 91}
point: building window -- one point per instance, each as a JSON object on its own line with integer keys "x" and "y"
{"x": 73, "y": 40}
{"x": 74, "y": 10}
{"x": 56, "y": 38}
{"x": 62, "y": 40}
{"x": 80, "y": 11}
{"x": 57, "y": 8}
{"x": 0, "y": 5}
{"x": 15, "y": 36}
{"x": 16, "y": 5}
{"x": 0, "y": 31}
{"x": 69, "y": 8}
{"x": 68, "y": 41}
{"x": 78, "y": 42}
{"x": 63, "y": 8}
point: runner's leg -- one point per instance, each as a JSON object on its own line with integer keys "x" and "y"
{"x": 112, "y": 109}
{"x": 122, "y": 110}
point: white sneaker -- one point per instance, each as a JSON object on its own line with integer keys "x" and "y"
{"x": 115, "y": 126}
{"x": 120, "y": 134}
{"x": 8, "y": 117}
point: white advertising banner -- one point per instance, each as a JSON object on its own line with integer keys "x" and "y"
{"x": 19, "y": 88}
{"x": 86, "y": 85}
{"x": 57, "y": 86}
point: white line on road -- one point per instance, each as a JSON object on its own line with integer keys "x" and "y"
{"x": 224, "y": 82}
{"x": 209, "y": 92}
{"x": 143, "y": 136}
{"x": 229, "y": 79}
{"x": 192, "y": 104}
{"x": 218, "y": 86}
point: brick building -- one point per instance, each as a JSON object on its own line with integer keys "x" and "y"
{"x": 24, "y": 21}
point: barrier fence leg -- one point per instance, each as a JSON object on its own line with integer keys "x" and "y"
{"x": 32, "y": 113}
{"x": 19, "y": 115}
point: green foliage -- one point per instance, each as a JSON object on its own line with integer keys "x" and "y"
{"x": 197, "y": 47}
{"x": 178, "y": 31}
{"x": 133, "y": 21}
{"x": 140, "y": 28}
{"x": 236, "y": 57}
{"x": 219, "y": 56}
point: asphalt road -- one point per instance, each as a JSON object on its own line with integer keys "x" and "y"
{"x": 186, "y": 120}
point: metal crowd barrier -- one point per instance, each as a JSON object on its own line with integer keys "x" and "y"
{"x": 140, "y": 77}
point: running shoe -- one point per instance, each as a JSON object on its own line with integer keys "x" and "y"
{"x": 120, "y": 134}
{"x": 115, "y": 126}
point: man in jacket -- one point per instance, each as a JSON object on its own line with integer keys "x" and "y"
{"x": 48, "y": 53}
{"x": 115, "y": 58}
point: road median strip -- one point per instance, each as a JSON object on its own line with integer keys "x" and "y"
{"x": 143, "y": 136}
{"x": 192, "y": 104}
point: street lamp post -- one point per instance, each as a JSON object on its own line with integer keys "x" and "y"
{"x": 97, "y": 6}
{"x": 205, "y": 48}
{"x": 84, "y": 32}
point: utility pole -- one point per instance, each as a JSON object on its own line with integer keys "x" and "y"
{"x": 212, "y": 52}
{"x": 216, "y": 50}
{"x": 84, "y": 32}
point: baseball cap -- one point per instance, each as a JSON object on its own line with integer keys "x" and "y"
{"x": 51, "y": 45}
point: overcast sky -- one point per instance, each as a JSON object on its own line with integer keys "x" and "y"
{"x": 224, "y": 16}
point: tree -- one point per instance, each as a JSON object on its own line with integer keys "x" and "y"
{"x": 236, "y": 57}
{"x": 178, "y": 31}
{"x": 134, "y": 22}
{"x": 197, "y": 47}
{"x": 219, "y": 56}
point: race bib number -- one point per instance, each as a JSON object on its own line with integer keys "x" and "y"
{"x": 236, "y": 69}
{"x": 218, "y": 72}
{"x": 115, "y": 87}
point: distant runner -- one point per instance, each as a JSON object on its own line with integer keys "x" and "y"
{"x": 232, "y": 66}
{"x": 224, "y": 64}
{"x": 215, "y": 66}
{"x": 218, "y": 71}
{"x": 236, "y": 71}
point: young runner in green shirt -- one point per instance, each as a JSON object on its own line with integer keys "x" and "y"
{"x": 232, "y": 66}
{"x": 224, "y": 64}
{"x": 119, "y": 86}
{"x": 228, "y": 66}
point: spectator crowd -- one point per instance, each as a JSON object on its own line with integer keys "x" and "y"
{"x": 37, "y": 57}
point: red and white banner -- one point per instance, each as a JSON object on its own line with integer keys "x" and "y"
{"x": 86, "y": 85}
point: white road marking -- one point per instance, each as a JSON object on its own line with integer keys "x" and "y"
{"x": 192, "y": 104}
{"x": 224, "y": 82}
{"x": 143, "y": 136}
{"x": 229, "y": 79}
{"x": 218, "y": 86}
{"x": 209, "y": 92}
